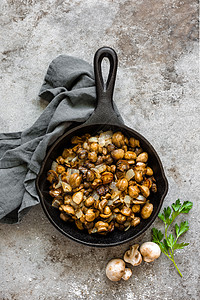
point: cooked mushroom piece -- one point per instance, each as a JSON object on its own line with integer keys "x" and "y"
{"x": 150, "y": 251}
{"x": 97, "y": 182}
{"x": 55, "y": 193}
{"x": 133, "y": 256}
{"x": 60, "y": 169}
{"x": 52, "y": 176}
{"x": 135, "y": 221}
{"x": 92, "y": 156}
{"x": 64, "y": 217}
{"x": 138, "y": 176}
{"x": 122, "y": 184}
{"x": 75, "y": 180}
{"x": 102, "y": 227}
{"x": 118, "y": 139}
{"x": 144, "y": 190}
{"x": 76, "y": 140}
{"x": 94, "y": 147}
{"x": 134, "y": 143}
{"x": 89, "y": 201}
{"x": 147, "y": 210}
{"x": 110, "y": 148}
{"x": 106, "y": 179}
{"x": 149, "y": 171}
{"x": 115, "y": 269}
{"x": 122, "y": 165}
{"x": 90, "y": 175}
{"x": 90, "y": 215}
{"x": 68, "y": 209}
{"x": 130, "y": 155}
{"x": 117, "y": 154}
{"x": 133, "y": 191}
{"x": 142, "y": 157}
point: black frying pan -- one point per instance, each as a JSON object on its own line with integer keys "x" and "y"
{"x": 103, "y": 118}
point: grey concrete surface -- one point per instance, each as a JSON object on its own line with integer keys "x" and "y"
{"x": 157, "y": 92}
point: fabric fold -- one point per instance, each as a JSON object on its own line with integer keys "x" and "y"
{"x": 69, "y": 87}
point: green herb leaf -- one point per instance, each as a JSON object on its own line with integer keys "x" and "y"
{"x": 157, "y": 235}
{"x": 171, "y": 241}
{"x": 167, "y": 213}
{"x": 163, "y": 247}
{"x": 187, "y": 205}
{"x": 184, "y": 226}
{"x": 162, "y": 217}
{"x": 180, "y": 246}
{"x": 177, "y": 205}
{"x": 169, "y": 244}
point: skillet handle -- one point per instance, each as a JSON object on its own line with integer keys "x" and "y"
{"x": 104, "y": 112}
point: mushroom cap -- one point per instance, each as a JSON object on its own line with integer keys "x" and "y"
{"x": 133, "y": 256}
{"x": 150, "y": 251}
{"x": 115, "y": 269}
{"x": 127, "y": 274}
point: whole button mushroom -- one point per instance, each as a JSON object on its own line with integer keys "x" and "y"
{"x": 150, "y": 251}
{"x": 127, "y": 274}
{"x": 115, "y": 269}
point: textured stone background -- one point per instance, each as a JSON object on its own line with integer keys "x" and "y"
{"x": 157, "y": 94}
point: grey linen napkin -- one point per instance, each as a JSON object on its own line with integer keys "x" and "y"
{"x": 69, "y": 87}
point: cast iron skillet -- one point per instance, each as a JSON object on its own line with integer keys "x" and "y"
{"x": 103, "y": 118}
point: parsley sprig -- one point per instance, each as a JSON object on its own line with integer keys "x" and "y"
{"x": 169, "y": 244}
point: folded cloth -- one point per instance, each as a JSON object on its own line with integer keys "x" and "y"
{"x": 69, "y": 87}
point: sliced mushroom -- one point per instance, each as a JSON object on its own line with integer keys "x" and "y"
{"x": 133, "y": 256}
